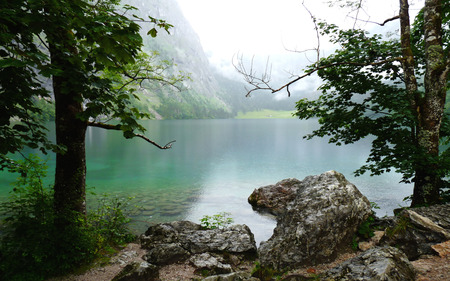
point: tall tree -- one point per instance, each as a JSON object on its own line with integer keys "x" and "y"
{"x": 393, "y": 89}
{"x": 90, "y": 51}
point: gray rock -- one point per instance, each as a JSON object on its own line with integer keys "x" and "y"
{"x": 166, "y": 233}
{"x": 214, "y": 264}
{"x": 274, "y": 198}
{"x": 233, "y": 239}
{"x": 377, "y": 264}
{"x": 318, "y": 224}
{"x": 138, "y": 271}
{"x": 166, "y": 253}
{"x": 415, "y": 230}
{"x": 439, "y": 214}
{"x": 177, "y": 241}
{"x": 235, "y": 276}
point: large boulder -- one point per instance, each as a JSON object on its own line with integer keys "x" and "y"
{"x": 274, "y": 198}
{"x": 318, "y": 224}
{"x": 218, "y": 250}
{"x": 233, "y": 239}
{"x": 415, "y": 231}
{"x": 381, "y": 263}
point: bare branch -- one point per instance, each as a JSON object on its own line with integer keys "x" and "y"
{"x": 262, "y": 84}
{"x": 117, "y": 128}
{"x": 380, "y": 24}
{"x": 259, "y": 83}
{"x": 316, "y": 28}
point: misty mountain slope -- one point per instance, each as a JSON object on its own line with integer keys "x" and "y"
{"x": 208, "y": 94}
{"x": 202, "y": 94}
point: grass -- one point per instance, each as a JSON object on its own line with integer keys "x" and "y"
{"x": 265, "y": 114}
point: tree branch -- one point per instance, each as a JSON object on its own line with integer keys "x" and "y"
{"x": 261, "y": 83}
{"x": 117, "y": 128}
{"x": 380, "y": 24}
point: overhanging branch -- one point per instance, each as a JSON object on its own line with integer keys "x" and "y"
{"x": 261, "y": 83}
{"x": 374, "y": 22}
{"x": 117, "y": 128}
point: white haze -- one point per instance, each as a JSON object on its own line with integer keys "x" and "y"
{"x": 273, "y": 29}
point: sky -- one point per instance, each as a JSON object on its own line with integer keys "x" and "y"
{"x": 268, "y": 28}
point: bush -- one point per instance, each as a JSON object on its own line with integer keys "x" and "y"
{"x": 111, "y": 217}
{"x": 33, "y": 248}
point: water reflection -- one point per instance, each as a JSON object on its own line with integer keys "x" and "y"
{"x": 215, "y": 165}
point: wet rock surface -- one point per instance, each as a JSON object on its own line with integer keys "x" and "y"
{"x": 318, "y": 224}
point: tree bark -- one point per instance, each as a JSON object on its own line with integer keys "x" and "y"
{"x": 430, "y": 111}
{"x": 70, "y": 173}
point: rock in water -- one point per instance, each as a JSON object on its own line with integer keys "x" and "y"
{"x": 318, "y": 224}
{"x": 386, "y": 263}
{"x": 274, "y": 198}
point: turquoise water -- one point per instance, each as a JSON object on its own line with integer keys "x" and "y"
{"x": 214, "y": 166}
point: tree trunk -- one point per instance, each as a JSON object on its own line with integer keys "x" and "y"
{"x": 70, "y": 174}
{"x": 431, "y": 108}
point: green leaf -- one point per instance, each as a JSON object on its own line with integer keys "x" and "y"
{"x": 11, "y": 62}
{"x": 152, "y": 32}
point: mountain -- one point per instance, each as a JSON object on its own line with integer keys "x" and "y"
{"x": 202, "y": 95}
{"x": 208, "y": 94}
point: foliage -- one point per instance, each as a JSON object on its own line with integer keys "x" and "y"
{"x": 359, "y": 100}
{"x": 216, "y": 221}
{"x": 366, "y": 228}
{"x": 90, "y": 40}
{"x": 363, "y": 95}
{"x": 111, "y": 217}
{"x": 31, "y": 245}
{"x": 91, "y": 53}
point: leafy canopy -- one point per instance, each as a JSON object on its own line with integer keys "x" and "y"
{"x": 94, "y": 46}
{"x": 363, "y": 95}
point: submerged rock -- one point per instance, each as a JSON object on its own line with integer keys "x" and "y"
{"x": 318, "y": 224}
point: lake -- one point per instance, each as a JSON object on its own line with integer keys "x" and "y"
{"x": 214, "y": 166}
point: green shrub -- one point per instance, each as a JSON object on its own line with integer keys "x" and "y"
{"x": 111, "y": 217}
{"x": 33, "y": 248}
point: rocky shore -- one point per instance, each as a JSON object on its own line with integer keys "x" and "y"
{"x": 325, "y": 230}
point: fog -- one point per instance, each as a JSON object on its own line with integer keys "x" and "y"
{"x": 278, "y": 30}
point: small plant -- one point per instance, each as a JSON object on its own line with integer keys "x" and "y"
{"x": 265, "y": 273}
{"x": 365, "y": 229}
{"x": 216, "y": 221}
{"x": 401, "y": 225}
